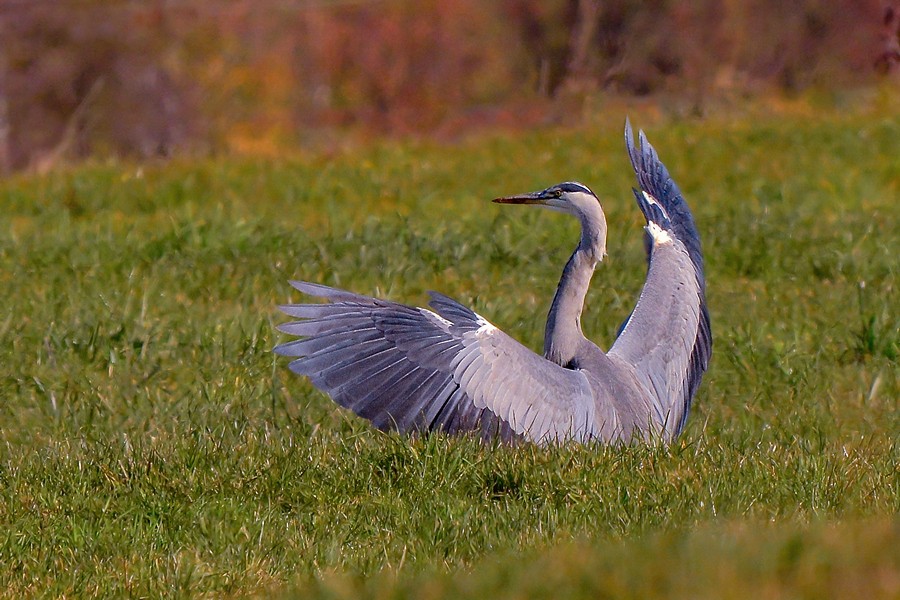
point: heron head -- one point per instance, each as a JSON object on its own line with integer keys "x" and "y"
{"x": 574, "y": 199}
{"x": 570, "y": 197}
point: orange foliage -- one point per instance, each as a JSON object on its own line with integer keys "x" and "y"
{"x": 151, "y": 78}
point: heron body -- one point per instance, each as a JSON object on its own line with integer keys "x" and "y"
{"x": 449, "y": 369}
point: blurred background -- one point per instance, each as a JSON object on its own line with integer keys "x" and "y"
{"x": 156, "y": 78}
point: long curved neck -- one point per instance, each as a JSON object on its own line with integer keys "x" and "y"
{"x": 563, "y": 337}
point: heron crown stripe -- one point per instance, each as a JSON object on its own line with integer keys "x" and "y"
{"x": 574, "y": 186}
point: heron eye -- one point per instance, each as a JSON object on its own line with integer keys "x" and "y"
{"x": 557, "y": 193}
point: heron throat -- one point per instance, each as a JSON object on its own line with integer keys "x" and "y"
{"x": 563, "y": 338}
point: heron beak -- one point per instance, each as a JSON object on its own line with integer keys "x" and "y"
{"x": 532, "y": 198}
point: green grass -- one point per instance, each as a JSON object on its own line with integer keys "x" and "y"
{"x": 151, "y": 444}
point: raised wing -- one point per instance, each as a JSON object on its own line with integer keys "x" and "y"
{"x": 412, "y": 369}
{"x": 667, "y": 338}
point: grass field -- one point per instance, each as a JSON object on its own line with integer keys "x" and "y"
{"x": 152, "y": 445}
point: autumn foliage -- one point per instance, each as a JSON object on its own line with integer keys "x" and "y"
{"x": 143, "y": 79}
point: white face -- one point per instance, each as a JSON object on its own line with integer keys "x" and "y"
{"x": 574, "y": 199}
{"x": 571, "y": 197}
{"x": 574, "y": 203}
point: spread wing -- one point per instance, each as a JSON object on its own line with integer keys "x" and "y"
{"x": 667, "y": 338}
{"x": 413, "y": 369}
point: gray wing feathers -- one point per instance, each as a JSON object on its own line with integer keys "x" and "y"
{"x": 675, "y": 287}
{"x": 654, "y": 178}
{"x": 377, "y": 358}
{"x": 539, "y": 399}
{"x": 409, "y": 368}
{"x": 659, "y": 336}
{"x": 549, "y": 403}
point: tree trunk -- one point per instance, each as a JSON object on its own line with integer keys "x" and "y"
{"x": 581, "y": 45}
{"x": 5, "y": 148}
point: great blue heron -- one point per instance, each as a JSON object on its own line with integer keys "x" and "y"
{"x": 414, "y": 369}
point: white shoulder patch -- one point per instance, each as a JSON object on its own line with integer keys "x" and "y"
{"x": 485, "y": 328}
{"x": 651, "y": 200}
{"x": 660, "y": 236}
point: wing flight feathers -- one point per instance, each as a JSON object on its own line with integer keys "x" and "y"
{"x": 412, "y": 369}
{"x": 667, "y": 338}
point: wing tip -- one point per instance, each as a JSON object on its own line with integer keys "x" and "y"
{"x": 333, "y": 294}
{"x": 629, "y": 145}
{"x": 644, "y": 159}
{"x": 312, "y": 289}
{"x": 281, "y": 349}
{"x": 643, "y": 155}
{"x": 288, "y": 309}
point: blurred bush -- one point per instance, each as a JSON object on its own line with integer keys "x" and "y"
{"x": 149, "y": 78}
